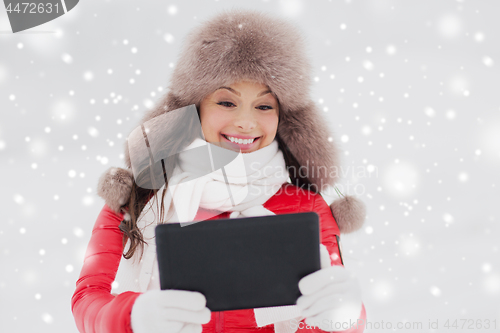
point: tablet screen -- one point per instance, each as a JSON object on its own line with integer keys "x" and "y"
{"x": 240, "y": 263}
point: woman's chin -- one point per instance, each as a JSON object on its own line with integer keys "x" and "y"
{"x": 226, "y": 146}
{"x": 235, "y": 147}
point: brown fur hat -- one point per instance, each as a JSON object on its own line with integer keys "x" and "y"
{"x": 249, "y": 45}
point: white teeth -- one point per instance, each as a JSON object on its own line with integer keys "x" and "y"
{"x": 240, "y": 141}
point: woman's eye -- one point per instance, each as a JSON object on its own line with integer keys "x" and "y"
{"x": 230, "y": 104}
{"x": 226, "y": 104}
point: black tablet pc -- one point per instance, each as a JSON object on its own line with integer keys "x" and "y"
{"x": 240, "y": 263}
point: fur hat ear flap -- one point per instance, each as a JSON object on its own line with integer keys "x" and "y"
{"x": 114, "y": 187}
{"x": 349, "y": 213}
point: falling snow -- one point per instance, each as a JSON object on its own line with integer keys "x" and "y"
{"x": 408, "y": 91}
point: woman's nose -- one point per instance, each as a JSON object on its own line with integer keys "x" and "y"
{"x": 245, "y": 119}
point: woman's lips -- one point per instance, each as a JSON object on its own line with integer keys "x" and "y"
{"x": 241, "y": 145}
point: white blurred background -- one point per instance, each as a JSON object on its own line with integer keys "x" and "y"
{"x": 411, "y": 93}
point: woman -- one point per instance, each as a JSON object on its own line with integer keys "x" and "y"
{"x": 248, "y": 77}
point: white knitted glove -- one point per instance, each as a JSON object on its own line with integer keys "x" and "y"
{"x": 330, "y": 295}
{"x": 169, "y": 311}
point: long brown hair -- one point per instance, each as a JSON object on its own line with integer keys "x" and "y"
{"x": 140, "y": 196}
{"x": 142, "y": 190}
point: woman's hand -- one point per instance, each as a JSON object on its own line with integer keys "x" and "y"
{"x": 329, "y": 295}
{"x": 169, "y": 311}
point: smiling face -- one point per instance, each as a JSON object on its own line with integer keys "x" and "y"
{"x": 242, "y": 117}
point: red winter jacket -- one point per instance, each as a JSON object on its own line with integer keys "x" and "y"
{"x": 96, "y": 310}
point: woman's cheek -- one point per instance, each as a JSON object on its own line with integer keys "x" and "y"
{"x": 271, "y": 121}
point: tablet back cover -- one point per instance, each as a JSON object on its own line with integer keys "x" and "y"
{"x": 240, "y": 263}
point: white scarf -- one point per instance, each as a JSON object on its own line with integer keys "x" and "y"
{"x": 252, "y": 179}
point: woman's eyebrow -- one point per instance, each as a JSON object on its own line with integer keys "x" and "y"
{"x": 237, "y": 93}
{"x": 264, "y": 92}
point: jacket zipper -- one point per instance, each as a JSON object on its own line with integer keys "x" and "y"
{"x": 219, "y": 322}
